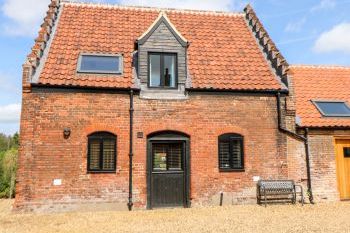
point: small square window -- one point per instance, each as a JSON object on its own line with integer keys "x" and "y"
{"x": 167, "y": 156}
{"x": 162, "y": 70}
{"x": 102, "y": 152}
{"x": 333, "y": 108}
{"x": 231, "y": 152}
{"x": 100, "y": 64}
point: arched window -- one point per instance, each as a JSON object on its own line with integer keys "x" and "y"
{"x": 102, "y": 152}
{"x": 231, "y": 155}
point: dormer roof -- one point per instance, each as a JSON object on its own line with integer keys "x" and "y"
{"x": 162, "y": 18}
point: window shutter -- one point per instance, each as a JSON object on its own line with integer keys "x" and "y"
{"x": 224, "y": 154}
{"x": 236, "y": 154}
{"x": 174, "y": 157}
{"x": 231, "y": 152}
{"x": 94, "y": 157}
{"x": 108, "y": 154}
{"x": 102, "y": 152}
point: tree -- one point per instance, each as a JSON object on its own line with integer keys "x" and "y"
{"x": 15, "y": 140}
{"x": 4, "y": 142}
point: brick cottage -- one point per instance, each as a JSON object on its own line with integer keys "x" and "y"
{"x": 145, "y": 107}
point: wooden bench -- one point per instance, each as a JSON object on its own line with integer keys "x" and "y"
{"x": 278, "y": 190}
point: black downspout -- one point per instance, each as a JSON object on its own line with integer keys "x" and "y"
{"x": 131, "y": 110}
{"x": 300, "y": 138}
{"x": 307, "y": 153}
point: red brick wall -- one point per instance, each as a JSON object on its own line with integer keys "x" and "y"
{"x": 323, "y": 163}
{"x": 45, "y": 154}
{"x": 297, "y": 163}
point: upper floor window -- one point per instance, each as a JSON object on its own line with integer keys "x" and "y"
{"x": 102, "y": 152}
{"x": 231, "y": 152}
{"x": 333, "y": 108}
{"x": 99, "y": 63}
{"x": 162, "y": 70}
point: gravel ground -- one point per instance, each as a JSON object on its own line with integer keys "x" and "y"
{"x": 331, "y": 217}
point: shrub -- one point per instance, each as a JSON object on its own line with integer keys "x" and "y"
{"x": 8, "y": 167}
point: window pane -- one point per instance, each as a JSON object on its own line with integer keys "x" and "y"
{"x": 169, "y": 70}
{"x": 174, "y": 157}
{"x": 159, "y": 157}
{"x": 94, "y": 154}
{"x": 94, "y": 63}
{"x": 236, "y": 154}
{"x": 333, "y": 108}
{"x": 108, "y": 154}
{"x": 224, "y": 154}
{"x": 346, "y": 151}
{"x": 154, "y": 70}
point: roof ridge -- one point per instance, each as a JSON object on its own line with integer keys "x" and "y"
{"x": 147, "y": 8}
{"x": 320, "y": 66}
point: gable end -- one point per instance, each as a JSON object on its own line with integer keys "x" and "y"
{"x": 162, "y": 18}
{"x": 278, "y": 62}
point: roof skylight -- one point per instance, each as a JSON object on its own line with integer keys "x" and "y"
{"x": 333, "y": 108}
{"x": 97, "y": 63}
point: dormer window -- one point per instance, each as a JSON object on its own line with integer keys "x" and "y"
{"x": 100, "y": 64}
{"x": 162, "y": 70}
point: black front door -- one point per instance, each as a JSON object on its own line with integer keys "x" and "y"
{"x": 168, "y": 174}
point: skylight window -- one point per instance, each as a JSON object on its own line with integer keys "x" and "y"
{"x": 101, "y": 64}
{"x": 333, "y": 108}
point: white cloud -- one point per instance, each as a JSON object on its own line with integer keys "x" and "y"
{"x": 335, "y": 40}
{"x": 10, "y": 113}
{"x": 324, "y": 5}
{"x": 220, "y": 5}
{"x": 295, "y": 26}
{"x": 25, "y": 16}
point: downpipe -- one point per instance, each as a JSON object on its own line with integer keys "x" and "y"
{"x": 304, "y": 139}
{"x": 307, "y": 153}
{"x": 131, "y": 112}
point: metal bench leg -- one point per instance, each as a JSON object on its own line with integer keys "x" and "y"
{"x": 295, "y": 197}
{"x": 265, "y": 197}
{"x": 302, "y": 195}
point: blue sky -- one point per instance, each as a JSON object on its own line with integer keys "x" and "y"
{"x": 306, "y": 32}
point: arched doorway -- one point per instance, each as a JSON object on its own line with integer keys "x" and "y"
{"x": 168, "y": 169}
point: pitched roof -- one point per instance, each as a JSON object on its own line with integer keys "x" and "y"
{"x": 320, "y": 83}
{"x": 223, "y": 53}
